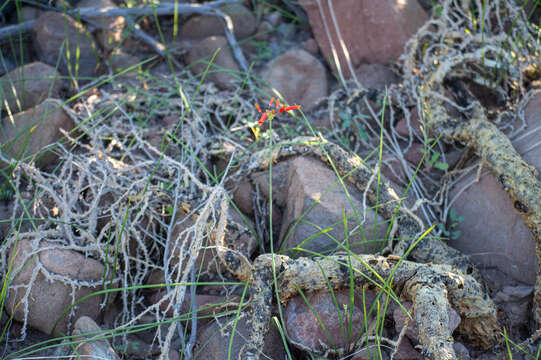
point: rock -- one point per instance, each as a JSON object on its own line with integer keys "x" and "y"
{"x": 213, "y": 340}
{"x": 375, "y": 76}
{"x": 305, "y": 329}
{"x": 243, "y": 197}
{"x": 28, "y": 132}
{"x": 515, "y": 301}
{"x": 199, "y": 56}
{"x": 310, "y": 180}
{"x": 415, "y": 153}
{"x": 199, "y": 27}
{"x": 51, "y": 30}
{"x": 92, "y": 349}
{"x": 373, "y": 31}
{"x": 264, "y": 30}
{"x": 403, "y": 129}
{"x": 120, "y": 60}
{"x": 274, "y": 18}
{"x": 412, "y": 332}
{"x": 461, "y": 351}
{"x": 109, "y": 33}
{"x": 279, "y": 182}
{"x": 500, "y": 238}
{"x": 310, "y": 46}
{"x": 298, "y": 77}
{"x": 48, "y": 298}
{"x": 30, "y": 13}
{"x": 28, "y": 85}
{"x": 237, "y": 236}
{"x": 492, "y": 232}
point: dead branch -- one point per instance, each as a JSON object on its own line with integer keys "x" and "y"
{"x": 211, "y": 8}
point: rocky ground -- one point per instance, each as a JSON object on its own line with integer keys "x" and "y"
{"x": 132, "y": 144}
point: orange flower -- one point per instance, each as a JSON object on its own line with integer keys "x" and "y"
{"x": 269, "y": 113}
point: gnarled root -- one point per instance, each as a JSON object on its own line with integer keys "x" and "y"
{"x": 431, "y": 288}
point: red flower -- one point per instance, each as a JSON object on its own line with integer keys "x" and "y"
{"x": 269, "y": 113}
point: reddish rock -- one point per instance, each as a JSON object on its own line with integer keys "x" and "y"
{"x": 310, "y": 46}
{"x": 28, "y": 132}
{"x": 309, "y": 180}
{"x": 279, "y": 182}
{"x": 298, "y": 77}
{"x": 412, "y": 332}
{"x": 28, "y": 85}
{"x": 51, "y": 30}
{"x": 213, "y": 340}
{"x": 304, "y": 328}
{"x": 415, "y": 153}
{"x": 91, "y": 349}
{"x": 493, "y": 231}
{"x": 48, "y": 298}
{"x": 199, "y": 27}
{"x": 373, "y": 31}
{"x": 243, "y": 197}
{"x": 515, "y": 301}
{"x": 200, "y": 55}
{"x": 403, "y": 129}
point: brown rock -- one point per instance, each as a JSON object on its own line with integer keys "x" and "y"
{"x": 515, "y": 301}
{"x": 88, "y": 348}
{"x": 309, "y": 180}
{"x": 412, "y": 332}
{"x": 310, "y": 46}
{"x": 199, "y": 27}
{"x": 373, "y": 31}
{"x": 28, "y": 85}
{"x": 48, "y": 298}
{"x": 55, "y": 34}
{"x": 305, "y": 329}
{"x": 403, "y": 129}
{"x": 298, "y": 77}
{"x": 213, "y": 340}
{"x": 109, "y": 35}
{"x": 492, "y": 232}
{"x": 279, "y": 182}
{"x": 200, "y": 55}
{"x": 415, "y": 153}
{"x": 120, "y": 60}
{"x": 30, "y": 13}
{"x": 243, "y": 197}
{"x": 375, "y": 76}
{"x": 28, "y": 132}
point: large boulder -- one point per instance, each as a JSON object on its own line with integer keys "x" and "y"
{"x": 46, "y": 280}
{"x": 316, "y": 205}
{"x": 372, "y": 31}
{"x": 202, "y": 26}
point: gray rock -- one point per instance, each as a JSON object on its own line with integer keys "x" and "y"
{"x": 310, "y": 180}
{"x": 28, "y": 85}
{"x": 88, "y": 348}
{"x": 55, "y": 34}
{"x": 48, "y": 298}
{"x": 28, "y": 132}
{"x": 298, "y": 77}
{"x": 224, "y": 63}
